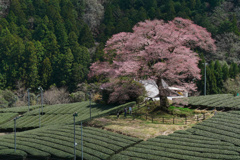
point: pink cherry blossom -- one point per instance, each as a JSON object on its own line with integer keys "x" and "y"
{"x": 157, "y": 50}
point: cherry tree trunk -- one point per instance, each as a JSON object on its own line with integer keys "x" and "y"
{"x": 164, "y": 104}
{"x": 163, "y": 93}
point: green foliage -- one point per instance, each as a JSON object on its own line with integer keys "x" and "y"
{"x": 225, "y": 72}
{"x": 121, "y": 16}
{"x": 214, "y": 3}
{"x": 86, "y": 38}
{"x": 218, "y": 74}
{"x": 233, "y": 70}
{"x": 140, "y": 99}
{"x": 211, "y": 80}
{"x": 3, "y": 102}
{"x": 9, "y": 97}
{"x": 170, "y": 10}
{"x": 122, "y": 90}
{"x": 46, "y": 73}
{"x": 232, "y": 85}
{"x": 179, "y": 111}
{"x": 33, "y": 34}
{"x": 32, "y": 63}
{"x": 55, "y": 26}
{"x": 77, "y": 96}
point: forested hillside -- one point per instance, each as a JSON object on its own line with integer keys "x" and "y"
{"x": 46, "y": 42}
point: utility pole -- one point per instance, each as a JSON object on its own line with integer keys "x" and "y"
{"x": 39, "y": 117}
{"x": 28, "y": 98}
{"x": 205, "y": 78}
{"x": 75, "y": 144}
{"x": 15, "y": 146}
{"x": 82, "y": 139}
{"x": 41, "y": 89}
{"x": 90, "y": 98}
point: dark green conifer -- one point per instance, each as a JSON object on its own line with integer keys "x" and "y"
{"x": 219, "y": 76}
{"x": 225, "y": 72}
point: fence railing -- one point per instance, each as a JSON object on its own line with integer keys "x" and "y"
{"x": 169, "y": 120}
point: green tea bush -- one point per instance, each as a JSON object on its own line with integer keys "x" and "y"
{"x": 10, "y": 154}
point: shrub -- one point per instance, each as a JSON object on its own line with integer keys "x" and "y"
{"x": 3, "y": 102}
{"x": 97, "y": 98}
{"x": 32, "y": 99}
{"x": 151, "y": 105}
{"x": 232, "y": 86}
{"x": 140, "y": 99}
{"x": 180, "y": 111}
{"x": 119, "y": 91}
{"x": 8, "y": 96}
{"x": 78, "y": 96}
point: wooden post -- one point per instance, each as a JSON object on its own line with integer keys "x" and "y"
{"x": 197, "y": 118}
{"x": 173, "y": 119}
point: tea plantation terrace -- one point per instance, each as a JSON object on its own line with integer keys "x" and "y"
{"x": 218, "y": 101}
{"x": 56, "y": 114}
{"x": 216, "y": 138}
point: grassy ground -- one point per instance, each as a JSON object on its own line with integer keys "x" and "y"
{"x": 144, "y": 129}
{"x": 136, "y": 128}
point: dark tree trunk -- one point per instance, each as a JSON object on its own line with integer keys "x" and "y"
{"x": 163, "y": 93}
{"x": 164, "y": 104}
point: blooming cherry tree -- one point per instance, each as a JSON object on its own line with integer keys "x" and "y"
{"x": 159, "y": 51}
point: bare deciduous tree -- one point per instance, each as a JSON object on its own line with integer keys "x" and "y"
{"x": 56, "y": 96}
{"x": 4, "y": 5}
{"x": 219, "y": 15}
{"x": 228, "y": 47}
{"x": 94, "y": 13}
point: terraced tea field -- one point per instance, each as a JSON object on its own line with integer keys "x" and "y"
{"x": 21, "y": 109}
{"x": 227, "y": 101}
{"x": 57, "y": 143}
{"x": 216, "y": 138}
{"x": 58, "y": 114}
